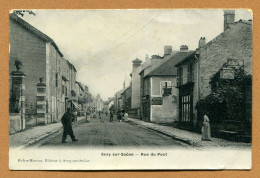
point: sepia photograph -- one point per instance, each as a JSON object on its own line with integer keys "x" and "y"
{"x": 130, "y": 89}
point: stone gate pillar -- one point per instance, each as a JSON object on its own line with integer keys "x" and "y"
{"x": 17, "y": 101}
{"x": 41, "y": 103}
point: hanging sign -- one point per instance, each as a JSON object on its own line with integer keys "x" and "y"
{"x": 227, "y": 73}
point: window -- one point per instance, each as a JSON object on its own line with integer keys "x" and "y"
{"x": 166, "y": 88}
{"x": 63, "y": 89}
{"x": 146, "y": 87}
{"x": 190, "y": 72}
{"x": 57, "y": 79}
{"x": 179, "y": 76}
{"x": 66, "y": 90}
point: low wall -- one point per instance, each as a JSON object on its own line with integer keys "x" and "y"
{"x": 14, "y": 122}
{"x": 134, "y": 113}
{"x": 30, "y": 120}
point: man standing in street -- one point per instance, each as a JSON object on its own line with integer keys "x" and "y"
{"x": 111, "y": 116}
{"x": 67, "y": 120}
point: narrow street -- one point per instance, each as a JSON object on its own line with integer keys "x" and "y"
{"x": 110, "y": 134}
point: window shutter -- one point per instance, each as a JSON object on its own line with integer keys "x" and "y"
{"x": 57, "y": 79}
{"x": 188, "y": 75}
{"x": 192, "y": 72}
{"x": 161, "y": 88}
{"x": 178, "y": 77}
{"x": 169, "y": 84}
{"x": 181, "y": 76}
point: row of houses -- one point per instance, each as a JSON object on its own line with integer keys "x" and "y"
{"x": 40, "y": 58}
{"x": 171, "y": 88}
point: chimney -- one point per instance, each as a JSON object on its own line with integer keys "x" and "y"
{"x": 184, "y": 48}
{"x": 167, "y": 50}
{"x": 202, "y": 41}
{"x": 229, "y": 18}
{"x": 136, "y": 63}
{"x": 146, "y": 56}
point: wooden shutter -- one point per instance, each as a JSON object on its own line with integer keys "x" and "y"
{"x": 192, "y": 72}
{"x": 188, "y": 74}
{"x": 178, "y": 77}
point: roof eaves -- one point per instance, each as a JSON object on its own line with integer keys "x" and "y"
{"x": 184, "y": 59}
{"x": 168, "y": 60}
{"x": 247, "y": 22}
{"x": 35, "y": 31}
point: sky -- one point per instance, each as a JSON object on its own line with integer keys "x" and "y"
{"x": 103, "y": 43}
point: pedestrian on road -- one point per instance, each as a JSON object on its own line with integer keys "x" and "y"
{"x": 67, "y": 120}
{"x": 126, "y": 116}
{"x": 122, "y": 115}
{"x": 87, "y": 116}
{"x": 100, "y": 117}
{"x": 206, "y": 135}
{"x": 111, "y": 116}
{"x": 119, "y": 116}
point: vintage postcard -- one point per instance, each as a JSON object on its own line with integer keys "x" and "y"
{"x": 137, "y": 89}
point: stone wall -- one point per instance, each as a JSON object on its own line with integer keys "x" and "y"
{"x": 14, "y": 122}
{"x": 235, "y": 42}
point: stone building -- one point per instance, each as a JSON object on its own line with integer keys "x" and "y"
{"x": 99, "y": 105}
{"x": 80, "y": 95}
{"x": 195, "y": 71}
{"x": 135, "y": 83}
{"x": 40, "y": 58}
{"x": 135, "y": 89}
{"x": 126, "y": 98}
{"x": 159, "y": 95}
{"x": 118, "y": 101}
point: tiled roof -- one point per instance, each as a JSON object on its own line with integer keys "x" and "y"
{"x": 118, "y": 94}
{"x": 168, "y": 68}
{"x": 80, "y": 85}
{"x": 34, "y": 30}
{"x": 125, "y": 89}
{"x": 185, "y": 59}
{"x": 220, "y": 36}
{"x": 234, "y": 25}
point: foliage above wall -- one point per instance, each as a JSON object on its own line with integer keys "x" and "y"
{"x": 227, "y": 97}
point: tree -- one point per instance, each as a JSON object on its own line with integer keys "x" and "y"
{"x": 227, "y": 98}
{"x": 22, "y": 12}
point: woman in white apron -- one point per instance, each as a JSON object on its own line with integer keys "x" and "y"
{"x": 125, "y": 116}
{"x": 206, "y": 135}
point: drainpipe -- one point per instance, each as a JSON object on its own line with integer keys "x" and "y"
{"x": 198, "y": 85}
{"x": 198, "y": 76}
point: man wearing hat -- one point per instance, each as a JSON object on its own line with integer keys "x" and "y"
{"x": 67, "y": 120}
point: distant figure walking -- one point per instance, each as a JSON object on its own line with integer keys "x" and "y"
{"x": 206, "y": 135}
{"x": 67, "y": 120}
{"x": 87, "y": 116}
{"x": 101, "y": 118}
{"x": 111, "y": 116}
{"x": 119, "y": 116}
{"x": 122, "y": 115}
